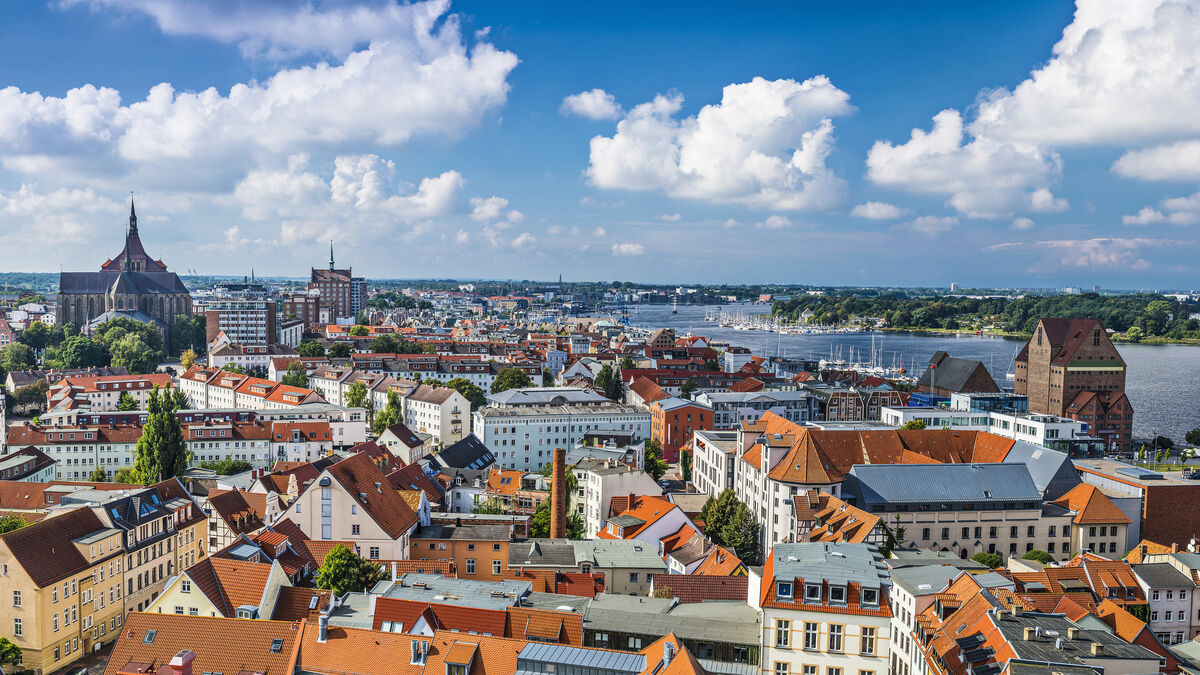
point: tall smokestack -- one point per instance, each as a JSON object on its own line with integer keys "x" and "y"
{"x": 558, "y": 495}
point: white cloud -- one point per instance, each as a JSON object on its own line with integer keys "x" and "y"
{"x": 628, "y": 249}
{"x": 1175, "y": 211}
{"x": 426, "y": 81}
{"x": 1173, "y": 161}
{"x": 554, "y": 229}
{"x": 71, "y": 215}
{"x": 1103, "y": 252}
{"x": 982, "y": 178}
{"x": 764, "y": 145}
{"x": 730, "y": 222}
{"x": 487, "y": 210}
{"x": 524, "y": 241}
{"x": 1043, "y": 201}
{"x": 774, "y": 222}
{"x": 670, "y": 217}
{"x": 877, "y": 211}
{"x": 931, "y": 225}
{"x": 283, "y": 29}
{"x": 1022, "y": 224}
{"x": 1122, "y": 73}
{"x": 596, "y": 104}
{"x": 599, "y": 232}
{"x": 462, "y": 237}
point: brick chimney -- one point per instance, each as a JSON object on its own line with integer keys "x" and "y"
{"x": 558, "y": 495}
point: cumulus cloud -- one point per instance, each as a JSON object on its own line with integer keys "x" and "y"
{"x": 1022, "y": 224}
{"x": 764, "y": 145}
{"x": 596, "y": 104}
{"x": 628, "y": 249}
{"x": 1172, "y": 161}
{"x": 491, "y": 210}
{"x": 426, "y": 81}
{"x": 1175, "y": 211}
{"x": 670, "y": 217}
{"x": 774, "y": 222}
{"x": 931, "y": 225}
{"x": 524, "y": 241}
{"x": 599, "y": 232}
{"x": 70, "y": 214}
{"x": 877, "y": 211}
{"x": 982, "y": 178}
{"x": 1102, "y": 252}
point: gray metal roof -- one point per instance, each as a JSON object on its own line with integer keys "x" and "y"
{"x": 915, "y": 557}
{"x": 924, "y": 579}
{"x": 466, "y": 532}
{"x": 935, "y": 483}
{"x": 463, "y": 592}
{"x": 1051, "y": 470}
{"x": 1162, "y": 575}
{"x": 1054, "y": 626}
{"x": 546, "y": 396}
{"x": 731, "y": 622}
{"x": 599, "y": 661}
{"x": 836, "y": 562}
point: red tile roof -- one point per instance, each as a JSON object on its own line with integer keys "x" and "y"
{"x": 1091, "y": 506}
{"x": 368, "y": 486}
{"x": 691, "y": 588}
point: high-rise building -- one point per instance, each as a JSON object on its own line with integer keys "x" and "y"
{"x": 1071, "y": 369}
{"x": 339, "y": 290}
{"x": 242, "y": 310}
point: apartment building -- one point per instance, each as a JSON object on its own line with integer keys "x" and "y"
{"x": 628, "y": 566}
{"x": 713, "y": 457}
{"x": 1170, "y": 593}
{"x": 1048, "y": 431}
{"x": 1097, "y": 525}
{"x": 370, "y": 512}
{"x": 674, "y": 420}
{"x": 27, "y": 464}
{"x": 600, "y": 481}
{"x": 441, "y": 412}
{"x": 913, "y": 590}
{"x": 244, "y": 320}
{"x": 208, "y": 387}
{"x": 824, "y": 610}
{"x": 524, "y": 438}
{"x": 103, "y": 394}
{"x": 478, "y": 550}
{"x": 299, "y": 441}
{"x": 731, "y": 408}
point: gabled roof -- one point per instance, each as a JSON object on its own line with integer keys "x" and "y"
{"x": 1091, "y": 506}
{"x": 235, "y": 509}
{"x": 373, "y": 492}
{"x": 690, "y": 588}
{"x": 230, "y": 583}
{"x": 412, "y": 477}
{"x": 148, "y": 642}
{"x": 45, "y": 549}
{"x": 295, "y": 604}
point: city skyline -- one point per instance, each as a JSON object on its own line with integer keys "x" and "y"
{"x": 740, "y": 145}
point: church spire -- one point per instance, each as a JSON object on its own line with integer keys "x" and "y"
{"x": 132, "y": 216}
{"x": 330, "y": 255}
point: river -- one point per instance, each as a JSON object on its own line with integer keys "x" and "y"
{"x": 1161, "y": 380}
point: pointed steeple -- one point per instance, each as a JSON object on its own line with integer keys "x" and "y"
{"x": 330, "y": 255}
{"x": 132, "y": 216}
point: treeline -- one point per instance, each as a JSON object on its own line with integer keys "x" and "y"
{"x": 1152, "y": 315}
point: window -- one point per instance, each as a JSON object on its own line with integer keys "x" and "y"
{"x": 470, "y": 566}
{"x": 866, "y": 641}
{"x": 811, "y": 635}
{"x": 833, "y": 671}
{"x": 869, "y": 596}
{"x": 635, "y": 643}
{"x": 783, "y": 628}
{"x": 18, "y": 629}
{"x": 185, "y": 586}
{"x": 812, "y": 592}
{"x": 1154, "y": 616}
{"x": 925, "y": 533}
{"x": 496, "y": 567}
{"x": 16, "y": 598}
{"x": 354, "y": 530}
{"x": 374, "y": 553}
{"x": 837, "y": 594}
{"x": 783, "y": 668}
{"x": 633, "y": 577}
{"x": 179, "y": 609}
{"x": 783, "y": 590}
{"x": 835, "y": 637}
{"x": 945, "y": 535}
{"x": 809, "y": 669}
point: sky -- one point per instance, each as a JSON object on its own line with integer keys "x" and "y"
{"x": 1016, "y": 144}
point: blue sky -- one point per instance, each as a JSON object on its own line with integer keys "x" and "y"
{"x": 713, "y": 142}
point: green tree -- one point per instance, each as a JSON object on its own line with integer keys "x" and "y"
{"x": 1163, "y": 442}
{"x": 10, "y": 653}
{"x": 627, "y": 362}
{"x": 510, "y": 378}
{"x": 310, "y": 349}
{"x": 547, "y": 378}
{"x": 654, "y": 464}
{"x": 384, "y": 344}
{"x": 127, "y": 402}
{"x": 470, "y": 391}
{"x": 1193, "y": 437}
{"x": 687, "y": 388}
{"x": 604, "y": 380}
{"x": 359, "y": 331}
{"x": 345, "y": 571}
{"x": 685, "y": 465}
{"x": 1134, "y": 334}
{"x": 361, "y": 318}
{"x": 392, "y": 413}
{"x": 296, "y": 376}
{"x": 188, "y": 333}
{"x": 1040, "y": 556}
{"x": 161, "y": 451}
{"x": 741, "y": 534}
{"x": 126, "y": 476}
{"x": 539, "y": 524}
{"x": 227, "y": 466}
{"x": 11, "y": 522}
{"x": 17, "y": 356}
{"x": 991, "y": 560}
{"x": 80, "y": 351}
{"x": 712, "y": 365}
{"x": 492, "y": 506}
{"x": 340, "y": 350}
{"x": 134, "y": 353}
{"x": 235, "y": 368}
{"x": 717, "y": 512}
{"x": 99, "y": 475}
{"x": 114, "y": 330}
{"x": 913, "y": 425}
{"x": 37, "y": 335}
{"x": 356, "y": 396}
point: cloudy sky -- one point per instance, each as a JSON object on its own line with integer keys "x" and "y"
{"x": 1017, "y": 143}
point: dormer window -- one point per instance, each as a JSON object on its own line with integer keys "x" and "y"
{"x": 837, "y": 594}
{"x": 812, "y": 592}
{"x": 870, "y": 596}
{"x": 783, "y": 590}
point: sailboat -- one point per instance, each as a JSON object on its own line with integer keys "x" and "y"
{"x": 675, "y": 304}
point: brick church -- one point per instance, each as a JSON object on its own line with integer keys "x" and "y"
{"x": 132, "y": 285}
